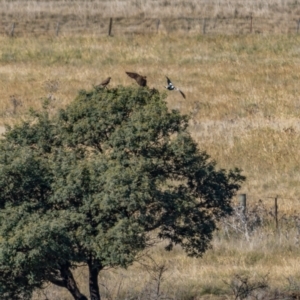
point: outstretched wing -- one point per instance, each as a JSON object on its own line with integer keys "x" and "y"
{"x": 141, "y": 80}
{"x": 181, "y": 92}
{"x": 169, "y": 81}
{"x": 133, "y": 75}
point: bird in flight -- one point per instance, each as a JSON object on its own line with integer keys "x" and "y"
{"x": 171, "y": 87}
{"x": 104, "y": 83}
{"x": 141, "y": 80}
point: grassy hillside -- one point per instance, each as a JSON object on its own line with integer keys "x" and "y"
{"x": 242, "y": 92}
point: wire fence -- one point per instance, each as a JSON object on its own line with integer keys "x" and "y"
{"x": 120, "y": 26}
{"x": 252, "y": 213}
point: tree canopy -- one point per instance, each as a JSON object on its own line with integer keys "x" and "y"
{"x": 91, "y": 183}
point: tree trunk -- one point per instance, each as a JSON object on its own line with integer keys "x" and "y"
{"x": 94, "y": 269}
{"x": 70, "y": 283}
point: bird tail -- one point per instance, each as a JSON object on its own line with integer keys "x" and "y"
{"x": 181, "y": 92}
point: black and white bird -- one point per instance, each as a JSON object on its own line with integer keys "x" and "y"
{"x": 171, "y": 87}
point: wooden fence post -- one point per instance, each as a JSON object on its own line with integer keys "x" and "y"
{"x": 157, "y": 25}
{"x": 204, "y": 26}
{"x": 243, "y": 206}
{"x": 12, "y": 30}
{"x": 243, "y": 203}
{"x": 251, "y": 22}
{"x": 276, "y": 212}
{"x": 110, "y": 26}
{"x": 57, "y": 29}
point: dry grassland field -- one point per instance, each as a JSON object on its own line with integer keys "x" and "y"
{"x": 243, "y": 97}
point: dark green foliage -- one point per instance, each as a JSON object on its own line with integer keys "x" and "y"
{"x": 91, "y": 183}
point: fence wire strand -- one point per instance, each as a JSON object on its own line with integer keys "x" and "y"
{"x": 120, "y": 26}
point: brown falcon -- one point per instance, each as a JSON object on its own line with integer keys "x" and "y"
{"x": 104, "y": 83}
{"x": 141, "y": 80}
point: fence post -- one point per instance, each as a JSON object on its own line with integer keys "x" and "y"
{"x": 110, "y": 26}
{"x": 243, "y": 203}
{"x": 204, "y": 26}
{"x": 276, "y": 213}
{"x": 251, "y": 22}
{"x": 57, "y": 29}
{"x": 243, "y": 206}
{"x": 298, "y": 25}
{"x": 157, "y": 25}
{"x": 12, "y": 30}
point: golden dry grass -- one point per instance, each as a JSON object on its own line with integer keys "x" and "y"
{"x": 150, "y": 8}
{"x": 190, "y": 278}
{"x": 34, "y": 17}
{"x": 242, "y": 92}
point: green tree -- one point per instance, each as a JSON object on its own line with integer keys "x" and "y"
{"x": 90, "y": 184}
